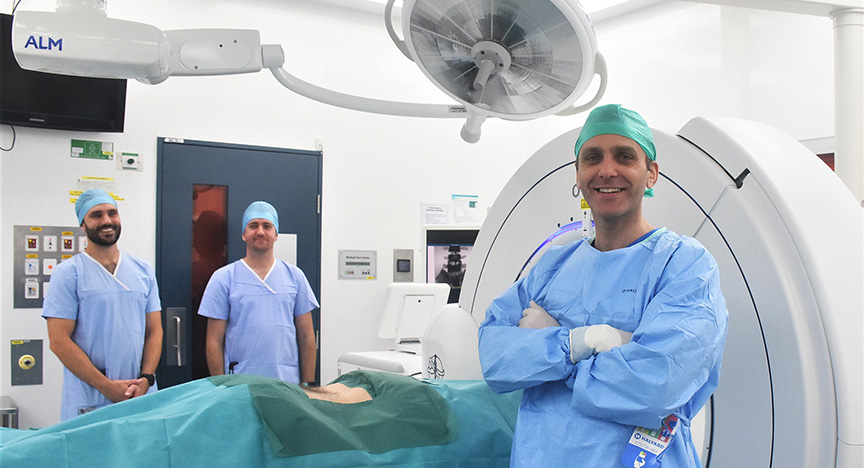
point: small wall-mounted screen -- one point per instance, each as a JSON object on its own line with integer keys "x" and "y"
{"x": 403, "y": 266}
{"x": 448, "y": 252}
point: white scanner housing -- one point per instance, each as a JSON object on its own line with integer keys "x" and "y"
{"x": 408, "y": 310}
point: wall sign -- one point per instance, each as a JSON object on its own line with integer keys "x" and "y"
{"x": 358, "y": 264}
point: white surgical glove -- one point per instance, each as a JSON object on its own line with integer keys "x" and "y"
{"x": 585, "y": 341}
{"x": 536, "y": 317}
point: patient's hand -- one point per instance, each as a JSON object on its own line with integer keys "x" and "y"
{"x": 338, "y": 393}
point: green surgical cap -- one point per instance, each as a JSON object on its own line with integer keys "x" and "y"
{"x": 89, "y": 199}
{"x": 612, "y": 119}
{"x": 261, "y": 210}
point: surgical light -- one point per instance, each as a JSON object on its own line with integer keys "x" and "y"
{"x": 511, "y": 59}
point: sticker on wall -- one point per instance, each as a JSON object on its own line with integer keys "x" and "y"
{"x": 466, "y": 209}
{"x": 92, "y": 149}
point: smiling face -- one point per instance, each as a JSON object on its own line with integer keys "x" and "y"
{"x": 613, "y": 172}
{"x": 259, "y": 235}
{"x": 102, "y": 224}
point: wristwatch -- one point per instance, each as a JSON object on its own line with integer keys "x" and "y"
{"x": 151, "y": 379}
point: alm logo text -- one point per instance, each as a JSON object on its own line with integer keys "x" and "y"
{"x": 44, "y": 43}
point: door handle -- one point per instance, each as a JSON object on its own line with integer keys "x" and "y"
{"x": 178, "y": 340}
{"x": 176, "y": 351}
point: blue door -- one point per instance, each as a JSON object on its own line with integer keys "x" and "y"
{"x": 202, "y": 190}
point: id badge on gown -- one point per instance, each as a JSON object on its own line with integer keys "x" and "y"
{"x": 647, "y": 445}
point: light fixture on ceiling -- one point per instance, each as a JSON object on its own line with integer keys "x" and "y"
{"x": 511, "y": 59}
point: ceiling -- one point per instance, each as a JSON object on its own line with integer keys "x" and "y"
{"x": 598, "y": 9}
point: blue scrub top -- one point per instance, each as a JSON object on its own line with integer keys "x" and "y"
{"x": 110, "y": 314}
{"x": 260, "y": 335}
{"x": 666, "y": 291}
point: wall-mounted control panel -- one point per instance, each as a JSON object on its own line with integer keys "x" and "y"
{"x": 38, "y": 250}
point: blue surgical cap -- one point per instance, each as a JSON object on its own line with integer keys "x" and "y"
{"x": 89, "y": 199}
{"x": 262, "y": 210}
{"x": 612, "y": 119}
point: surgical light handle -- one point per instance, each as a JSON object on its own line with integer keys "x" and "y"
{"x": 600, "y": 70}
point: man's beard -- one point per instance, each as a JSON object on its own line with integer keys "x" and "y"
{"x": 93, "y": 235}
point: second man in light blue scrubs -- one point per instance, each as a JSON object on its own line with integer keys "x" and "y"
{"x": 258, "y": 309}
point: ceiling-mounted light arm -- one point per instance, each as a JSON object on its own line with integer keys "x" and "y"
{"x": 388, "y": 23}
{"x": 376, "y": 106}
{"x": 470, "y": 131}
{"x": 600, "y": 70}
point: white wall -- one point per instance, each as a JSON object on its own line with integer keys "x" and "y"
{"x": 671, "y": 62}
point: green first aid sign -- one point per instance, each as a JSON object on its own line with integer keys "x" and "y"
{"x": 92, "y": 149}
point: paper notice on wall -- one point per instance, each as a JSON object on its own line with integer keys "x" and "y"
{"x": 85, "y": 183}
{"x": 434, "y": 213}
{"x": 466, "y": 209}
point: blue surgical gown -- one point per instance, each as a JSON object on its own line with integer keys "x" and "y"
{"x": 260, "y": 335}
{"x": 110, "y": 314}
{"x": 666, "y": 291}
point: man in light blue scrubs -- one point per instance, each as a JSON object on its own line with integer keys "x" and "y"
{"x": 617, "y": 340}
{"x": 258, "y": 309}
{"x": 103, "y": 315}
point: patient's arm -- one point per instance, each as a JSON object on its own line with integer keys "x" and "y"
{"x": 338, "y": 393}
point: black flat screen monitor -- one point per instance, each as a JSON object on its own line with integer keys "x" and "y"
{"x": 448, "y": 252}
{"x": 61, "y": 102}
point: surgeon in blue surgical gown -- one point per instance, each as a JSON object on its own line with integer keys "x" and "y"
{"x": 617, "y": 340}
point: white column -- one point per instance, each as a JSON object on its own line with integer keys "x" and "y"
{"x": 849, "y": 98}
